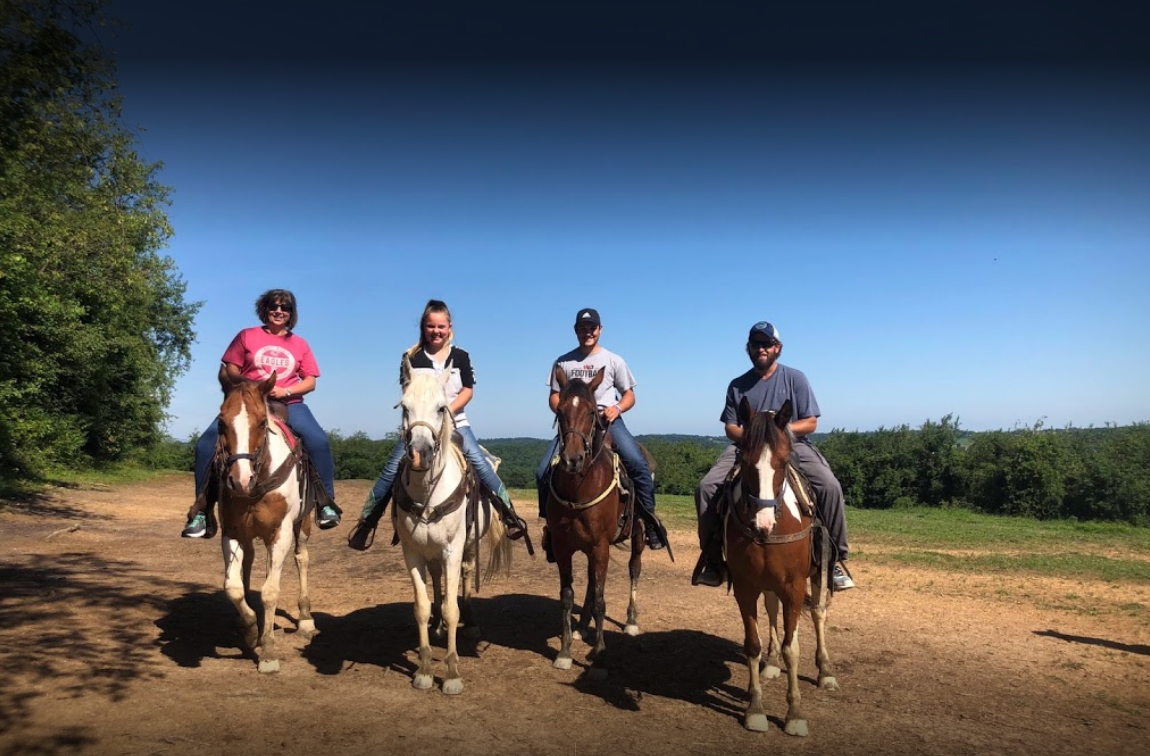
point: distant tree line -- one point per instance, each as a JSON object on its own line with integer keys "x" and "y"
{"x": 1087, "y": 474}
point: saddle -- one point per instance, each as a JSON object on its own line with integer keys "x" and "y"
{"x": 312, "y": 493}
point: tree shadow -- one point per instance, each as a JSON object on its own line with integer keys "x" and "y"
{"x": 1132, "y": 648}
{"x": 77, "y": 625}
{"x": 48, "y": 506}
{"x": 377, "y": 635}
{"x": 195, "y": 624}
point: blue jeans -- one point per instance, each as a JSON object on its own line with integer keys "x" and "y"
{"x": 381, "y": 491}
{"x": 629, "y": 454}
{"x": 302, "y": 422}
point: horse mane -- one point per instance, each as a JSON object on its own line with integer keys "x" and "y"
{"x": 578, "y": 387}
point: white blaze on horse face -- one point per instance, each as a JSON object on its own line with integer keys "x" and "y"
{"x": 243, "y": 467}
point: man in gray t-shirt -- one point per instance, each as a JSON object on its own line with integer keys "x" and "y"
{"x": 766, "y": 386}
{"x": 615, "y": 395}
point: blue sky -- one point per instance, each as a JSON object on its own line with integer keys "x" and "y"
{"x": 933, "y": 231}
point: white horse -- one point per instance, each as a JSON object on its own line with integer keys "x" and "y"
{"x": 259, "y": 493}
{"x": 434, "y": 494}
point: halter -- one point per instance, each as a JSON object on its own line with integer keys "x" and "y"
{"x": 277, "y": 477}
{"x": 599, "y": 430}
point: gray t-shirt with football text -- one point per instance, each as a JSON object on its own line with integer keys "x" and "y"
{"x": 617, "y": 380}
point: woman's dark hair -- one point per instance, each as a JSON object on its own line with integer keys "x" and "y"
{"x": 273, "y": 297}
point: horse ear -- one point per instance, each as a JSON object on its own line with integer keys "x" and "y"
{"x": 445, "y": 376}
{"x": 783, "y": 416}
{"x": 744, "y": 411}
{"x": 560, "y": 376}
{"x": 598, "y": 379}
{"x": 269, "y": 383}
{"x": 405, "y": 371}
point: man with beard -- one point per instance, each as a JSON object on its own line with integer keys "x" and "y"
{"x": 766, "y": 386}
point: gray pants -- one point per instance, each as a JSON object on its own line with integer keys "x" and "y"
{"x": 828, "y": 494}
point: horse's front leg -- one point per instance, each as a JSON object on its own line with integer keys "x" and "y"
{"x": 792, "y": 600}
{"x": 635, "y": 569}
{"x": 774, "y": 668}
{"x": 417, "y": 569}
{"x": 567, "y": 598}
{"x": 819, "y": 585}
{"x": 302, "y": 531}
{"x": 270, "y": 596}
{"x": 452, "y": 682}
{"x": 599, "y": 559}
{"x": 747, "y": 596}
{"x": 236, "y": 556}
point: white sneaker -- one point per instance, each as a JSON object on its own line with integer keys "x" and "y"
{"x": 842, "y": 579}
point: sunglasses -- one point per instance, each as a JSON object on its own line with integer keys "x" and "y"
{"x": 754, "y": 344}
{"x": 274, "y": 307}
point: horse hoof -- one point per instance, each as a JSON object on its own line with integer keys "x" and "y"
{"x": 772, "y": 672}
{"x": 269, "y": 665}
{"x": 562, "y": 662}
{"x": 631, "y": 630}
{"x": 757, "y": 723}
{"x": 796, "y": 727}
{"x": 306, "y": 628}
{"x": 829, "y": 683}
{"x": 597, "y": 674}
{"x": 453, "y": 687}
{"x": 422, "y": 682}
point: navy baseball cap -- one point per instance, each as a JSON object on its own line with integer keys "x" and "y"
{"x": 587, "y": 315}
{"x": 766, "y": 329}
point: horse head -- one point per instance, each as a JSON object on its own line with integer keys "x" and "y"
{"x": 244, "y": 428}
{"x": 578, "y": 416}
{"x": 766, "y": 448}
{"x": 427, "y": 421}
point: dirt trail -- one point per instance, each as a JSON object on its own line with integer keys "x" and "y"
{"x": 116, "y": 638}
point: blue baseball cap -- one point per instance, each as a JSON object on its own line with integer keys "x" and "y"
{"x": 766, "y": 329}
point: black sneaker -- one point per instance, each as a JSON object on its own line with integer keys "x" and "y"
{"x": 710, "y": 575}
{"x": 327, "y": 518}
{"x": 655, "y": 540}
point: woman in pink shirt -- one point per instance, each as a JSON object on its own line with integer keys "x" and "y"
{"x": 255, "y": 353}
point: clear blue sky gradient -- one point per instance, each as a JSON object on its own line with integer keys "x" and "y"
{"x": 931, "y": 236}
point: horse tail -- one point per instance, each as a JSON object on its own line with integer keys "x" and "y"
{"x": 498, "y": 548}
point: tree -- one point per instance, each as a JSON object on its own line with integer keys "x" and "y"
{"x": 94, "y": 328}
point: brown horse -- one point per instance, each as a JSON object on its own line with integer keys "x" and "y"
{"x": 769, "y": 542}
{"x": 258, "y": 479}
{"x": 586, "y": 513}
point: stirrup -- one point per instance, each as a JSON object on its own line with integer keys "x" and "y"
{"x": 362, "y": 536}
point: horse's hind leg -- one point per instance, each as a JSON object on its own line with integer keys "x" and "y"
{"x": 567, "y": 598}
{"x": 599, "y": 559}
{"x": 306, "y": 624}
{"x": 754, "y": 718}
{"x": 819, "y": 584}
{"x": 452, "y": 682}
{"x": 236, "y": 557}
{"x": 635, "y": 569}
{"x": 466, "y": 615}
{"x": 435, "y": 570}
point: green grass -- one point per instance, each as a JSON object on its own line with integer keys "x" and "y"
{"x": 106, "y": 477}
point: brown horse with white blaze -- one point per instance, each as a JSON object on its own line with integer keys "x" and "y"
{"x": 768, "y": 543}
{"x": 584, "y": 512}
{"x": 258, "y": 479}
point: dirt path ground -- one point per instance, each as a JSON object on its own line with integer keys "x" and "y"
{"x": 116, "y": 638}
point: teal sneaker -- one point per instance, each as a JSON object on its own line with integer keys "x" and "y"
{"x": 327, "y": 518}
{"x": 197, "y": 527}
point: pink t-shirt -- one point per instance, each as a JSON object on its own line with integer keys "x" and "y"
{"x": 257, "y": 353}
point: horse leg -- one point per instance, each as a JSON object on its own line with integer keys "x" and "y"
{"x": 747, "y": 596}
{"x": 796, "y": 723}
{"x": 774, "y": 668}
{"x": 417, "y": 568}
{"x": 236, "y": 558}
{"x": 466, "y": 578}
{"x": 635, "y": 568}
{"x": 598, "y": 561}
{"x": 435, "y": 569}
{"x": 587, "y": 611}
{"x": 567, "y": 598}
{"x": 306, "y": 624}
{"x": 269, "y": 597}
{"x": 819, "y": 583}
{"x": 452, "y": 682}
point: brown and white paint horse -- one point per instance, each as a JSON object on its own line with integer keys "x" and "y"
{"x": 584, "y": 510}
{"x": 259, "y": 493}
{"x": 768, "y": 544}
{"x": 440, "y": 546}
